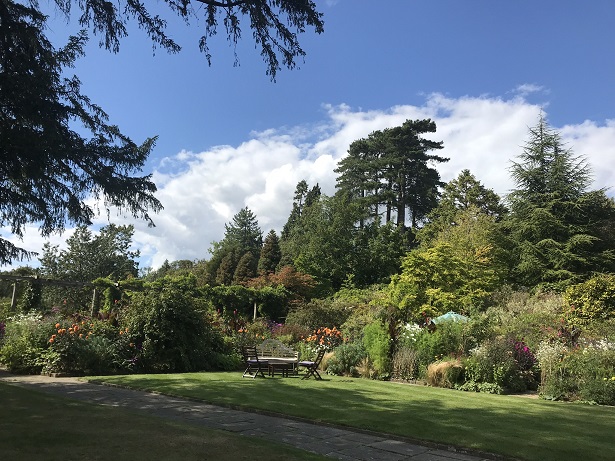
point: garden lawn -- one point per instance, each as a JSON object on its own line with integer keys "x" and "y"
{"x": 512, "y": 426}
{"x": 36, "y": 426}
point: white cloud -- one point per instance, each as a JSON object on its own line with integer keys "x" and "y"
{"x": 527, "y": 89}
{"x": 203, "y": 191}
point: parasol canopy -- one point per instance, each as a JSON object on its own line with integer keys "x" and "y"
{"x": 450, "y": 317}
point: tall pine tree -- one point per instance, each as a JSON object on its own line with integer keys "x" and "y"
{"x": 270, "y": 254}
{"x": 393, "y": 169}
{"x": 560, "y": 231}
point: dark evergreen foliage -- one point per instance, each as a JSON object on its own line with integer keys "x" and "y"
{"x": 245, "y": 270}
{"x": 275, "y": 24}
{"x": 459, "y": 195}
{"x": 242, "y": 235}
{"x": 271, "y": 254}
{"x": 391, "y": 169}
{"x": 560, "y": 232}
{"x": 48, "y": 170}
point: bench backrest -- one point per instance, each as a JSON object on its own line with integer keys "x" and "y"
{"x": 275, "y": 348}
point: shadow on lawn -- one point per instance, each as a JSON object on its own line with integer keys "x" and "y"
{"x": 517, "y": 427}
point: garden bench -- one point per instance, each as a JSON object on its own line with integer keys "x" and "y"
{"x": 279, "y": 357}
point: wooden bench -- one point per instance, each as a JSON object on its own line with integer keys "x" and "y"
{"x": 279, "y": 356}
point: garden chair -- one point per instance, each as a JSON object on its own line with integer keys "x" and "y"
{"x": 311, "y": 367}
{"x": 254, "y": 366}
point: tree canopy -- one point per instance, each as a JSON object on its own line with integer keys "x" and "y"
{"x": 275, "y": 24}
{"x": 242, "y": 236}
{"x": 58, "y": 148}
{"x": 392, "y": 169}
{"x": 560, "y": 231}
{"x": 49, "y": 171}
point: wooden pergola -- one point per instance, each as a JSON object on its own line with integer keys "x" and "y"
{"x": 44, "y": 281}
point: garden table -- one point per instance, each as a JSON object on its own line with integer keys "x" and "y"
{"x": 281, "y": 364}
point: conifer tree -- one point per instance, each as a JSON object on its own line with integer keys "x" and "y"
{"x": 560, "y": 231}
{"x": 245, "y": 270}
{"x": 392, "y": 168}
{"x": 271, "y": 254}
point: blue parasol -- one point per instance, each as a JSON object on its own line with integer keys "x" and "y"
{"x": 450, "y": 317}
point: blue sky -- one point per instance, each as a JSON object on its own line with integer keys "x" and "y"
{"x": 229, "y": 137}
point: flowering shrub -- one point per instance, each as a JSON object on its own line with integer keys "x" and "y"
{"x": 524, "y": 358}
{"x": 507, "y": 364}
{"x": 68, "y": 351}
{"x": 25, "y": 337}
{"x": 408, "y": 334}
{"x": 578, "y": 373}
{"x": 325, "y": 338}
{"x": 549, "y": 355}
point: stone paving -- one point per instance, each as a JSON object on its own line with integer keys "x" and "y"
{"x": 334, "y": 442}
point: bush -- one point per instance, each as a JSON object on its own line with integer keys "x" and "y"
{"x": 292, "y": 334}
{"x": 473, "y": 386}
{"x": 591, "y": 300}
{"x": 318, "y": 313}
{"x": 170, "y": 327}
{"x": 346, "y": 358}
{"x": 69, "y": 350}
{"x": 583, "y": 373}
{"x": 449, "y": 339}
{"x": 377, "y": 343}
{"x": 501, "y": 361}
{"x": 25, "y": 339}
{"x": 325, "y": 338}
{"x": 531, "y": 317}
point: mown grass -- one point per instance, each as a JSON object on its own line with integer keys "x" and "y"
{"x": 36, "y": 426}
{"x": 506, "y": 425}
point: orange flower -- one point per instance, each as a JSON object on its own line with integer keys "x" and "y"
{"x": 81, "y": 335}
{"x": 51, "y": 340}
{"x": 57, "y": 325}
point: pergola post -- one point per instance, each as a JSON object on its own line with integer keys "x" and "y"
{"x": 14, "y": 298}
{"x": 93, "y": 302}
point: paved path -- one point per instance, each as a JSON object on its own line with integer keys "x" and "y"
{"x": 334, "y": 442}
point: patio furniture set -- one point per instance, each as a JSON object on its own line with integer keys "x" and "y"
{"x": 273, "y": 357}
